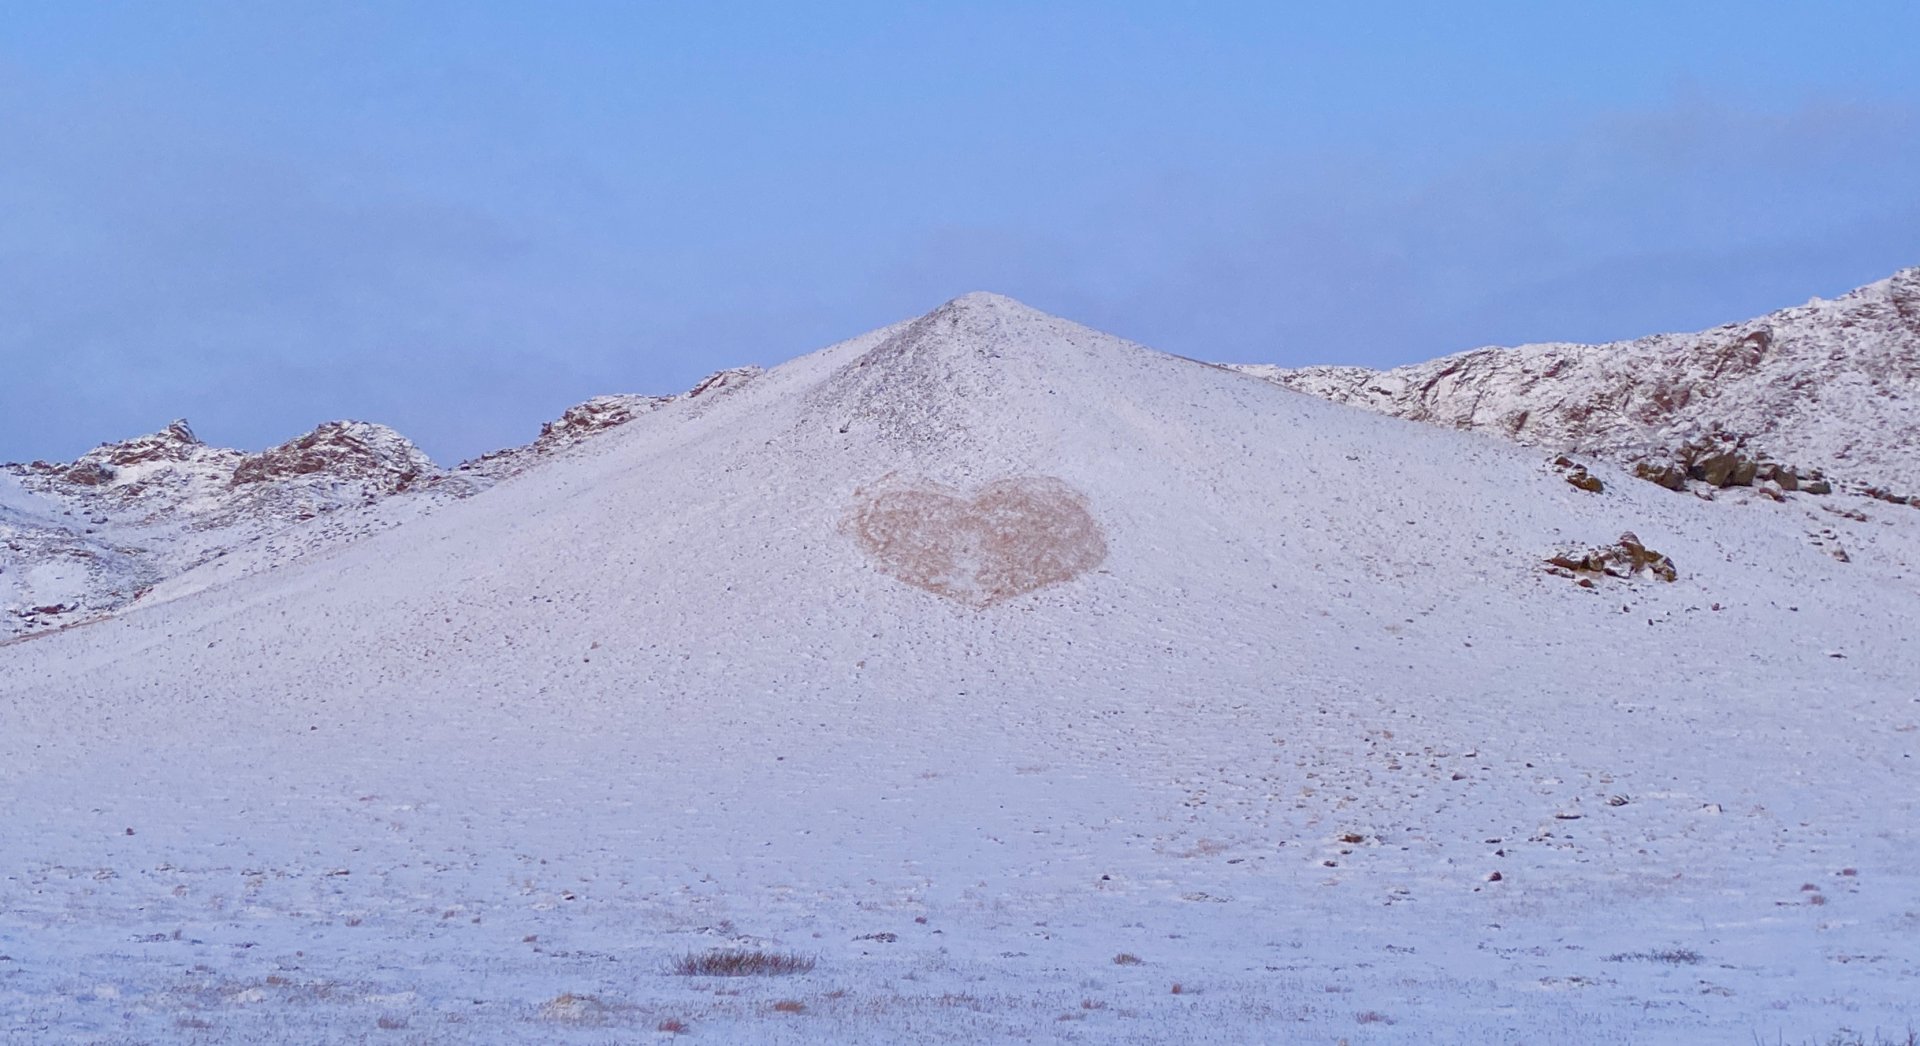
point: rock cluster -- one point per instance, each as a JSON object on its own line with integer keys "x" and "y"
{"x": 1577, "y": 475}
{"x": 596, "y": 415}
{"x": 1720, "y": 459}
{"x": 1888, "y": 496}
{"x": 1625, "y": 558}
{"x": 372, "y": 456}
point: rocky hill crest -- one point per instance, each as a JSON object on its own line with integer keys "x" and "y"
{"x": 1832, "y": 387}
{"x": 85, "y": 537}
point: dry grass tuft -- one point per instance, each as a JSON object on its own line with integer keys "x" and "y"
{"x": 672, "y": 1026}
{"x": 741, "y": 962}
{"x": 1850, "y": 1037}
{"x": 1128, "y": 959}
{"x": 1670, "y": 956}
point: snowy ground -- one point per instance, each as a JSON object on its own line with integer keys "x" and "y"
{"x": 485, "y": 776}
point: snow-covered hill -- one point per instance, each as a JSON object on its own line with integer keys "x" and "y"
{"x": 88, "y": 536}
{"x": 1829, "y": 385}
{"x": 126, "y": 520}
{"x": 1019, "y": 682}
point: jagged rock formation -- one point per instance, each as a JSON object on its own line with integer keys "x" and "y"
{"x": 1832, "y": 386}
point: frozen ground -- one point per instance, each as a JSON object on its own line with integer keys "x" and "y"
{"x": 486, "y": 775}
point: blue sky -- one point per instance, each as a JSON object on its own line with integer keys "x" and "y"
{"x": 460, "y": 218}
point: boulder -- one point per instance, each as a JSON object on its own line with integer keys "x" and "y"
{"x": 1577, "y": 475}
{"x": 1586, "y": 481}
{"x": 1715, "y": 468}
{"x": 1666, "y": 474}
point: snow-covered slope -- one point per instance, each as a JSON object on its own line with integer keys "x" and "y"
{"x": 88, "y": 536}
{"x": 127, "y": 520}
{"x": 1031, "y": 684}
{"x": 597, "y": 415}
{"x": 1829, "y": 385}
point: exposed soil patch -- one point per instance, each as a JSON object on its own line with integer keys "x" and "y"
{"x": 1014, "y": 536}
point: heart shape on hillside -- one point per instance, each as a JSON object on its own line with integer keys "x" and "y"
{"x": 1014, "y": 536}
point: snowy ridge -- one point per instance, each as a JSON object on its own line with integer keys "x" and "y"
{"x": 1829, "y": 385}
{"x": 593, "y": 417}
{"x": 164, "y": 514}
{"x": 1009, "y": 674}
{"x": 93, "y": 534}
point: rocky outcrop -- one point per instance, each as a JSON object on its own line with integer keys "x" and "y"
{"x": 169, "y": 474}
{"x": 374, "y": 458}
{"x": 730, "y": 380}
{"x": 596, "y": 416}
{"x": 592, "y": 418}
{"x": 1718, "y": 459}
{"x": 89, "y": 536}
{"x": 1625, "y": 558}
{"x": 1831, "y": 386}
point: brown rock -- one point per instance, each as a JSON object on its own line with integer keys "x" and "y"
{"x": 1585, "y": 480}
{"x": 1623, "y": 559}
{"x": 1665, "y": 474}
{"x": 1715, "y": 469}
{"x": 89, "y": 474}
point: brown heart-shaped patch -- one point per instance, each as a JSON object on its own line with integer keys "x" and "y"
{"x": 1014, "y": 536}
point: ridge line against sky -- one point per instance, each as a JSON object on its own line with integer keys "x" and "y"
{"x": 458, "y": 219}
